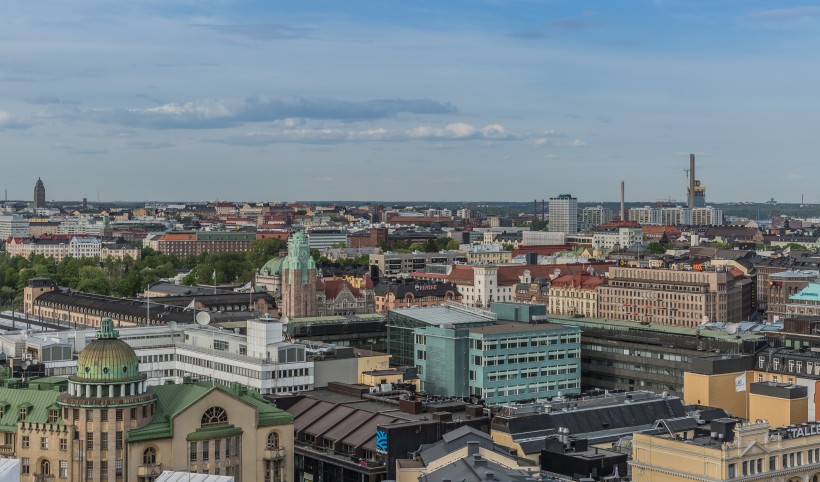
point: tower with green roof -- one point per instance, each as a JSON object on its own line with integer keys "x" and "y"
{"x": 106, "y": 398}
{"x": 299, "y": 279}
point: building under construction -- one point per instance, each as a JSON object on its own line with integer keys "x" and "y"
{"x": 695, "y": 191}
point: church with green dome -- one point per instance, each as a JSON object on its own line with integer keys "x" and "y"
{"x": 109, "y": 425}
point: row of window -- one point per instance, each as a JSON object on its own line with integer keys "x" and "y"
{"x": 222, "y": 448}
{"x": 633, "y": 352}
{"x": 529, "y": 373}
{"x": 530, "y": 388}
{"x": 788, "y": 460}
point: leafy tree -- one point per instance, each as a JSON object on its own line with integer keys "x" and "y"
{"x": 94, "y": 280}
{"x": 656, "y": 248}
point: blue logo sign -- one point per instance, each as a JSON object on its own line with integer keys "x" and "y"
{"x": 381, "y": 441}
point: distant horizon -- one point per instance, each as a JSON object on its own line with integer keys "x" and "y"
{"x": 419, "y": 202}
{"x": 413, "y": 100}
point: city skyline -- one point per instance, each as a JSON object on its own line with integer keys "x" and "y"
{"x": 499, "y": 100}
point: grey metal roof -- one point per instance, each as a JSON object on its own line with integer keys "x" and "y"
{"x": 446, "y": 314}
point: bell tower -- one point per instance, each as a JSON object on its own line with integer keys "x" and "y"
{"x": 299, "y": 279}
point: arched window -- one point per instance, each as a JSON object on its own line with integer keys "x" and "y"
{"x": 45, "y": 467}
{"x": 273, "y": 440}
{"x": 214, "y": 416}
{"x": 149, "y": 457}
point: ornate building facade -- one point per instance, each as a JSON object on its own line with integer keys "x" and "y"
{"x": 110, "y": 426}
{"x": 306, "y": 293}
{"x": 298, "y": 279}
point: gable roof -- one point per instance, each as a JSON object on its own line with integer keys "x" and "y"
{"x": 173, "y": 399}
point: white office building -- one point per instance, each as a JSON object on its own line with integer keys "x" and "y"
{"x": 13, "y": 226}
{"x": 261, "y": 360}
{"x": 563, "y": 214}
{"x": 707, "y": 216}
{"x": 623, "y": 238}
{"x": 595, "y": 216}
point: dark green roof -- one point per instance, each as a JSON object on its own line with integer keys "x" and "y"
{"x": 174, "y": 399}
{"x": 107, "y": 358}
{"x": 38, "y": 402}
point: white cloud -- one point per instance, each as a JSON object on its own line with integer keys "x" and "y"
{"x": 218, "y": 114}
{"x": 449, "y": 132}
{"x": 8, "y": 121}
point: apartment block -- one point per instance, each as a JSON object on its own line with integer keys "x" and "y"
{"x": 671, "y": 296}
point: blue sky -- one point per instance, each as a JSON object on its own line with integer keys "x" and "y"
{"x": 456, "y": 100}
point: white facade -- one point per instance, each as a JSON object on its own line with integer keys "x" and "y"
{"x": 676, "y": 216}
{"x": 80, "y": 226}
{"x": 707, "y": 216}
{"x": 326, "y": 239}
{"x": 13, "y": 226}
{"x": 484, "y": 289}
{"x": 645, "y": 216}
{"x": 542, "y": 238}
{"x": 85, "y": 248}
{"x": 563, "y": 214}
{"x": 624, "y": 238}
{"x": 262, "y": 360}
{"x": 595, "y": 216}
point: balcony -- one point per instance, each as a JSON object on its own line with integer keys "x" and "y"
{"x": 44, "y": 478}
{"x": 276, "y": 453}
{"x": 150, "y": 470}
{"x": 6, "y": 450}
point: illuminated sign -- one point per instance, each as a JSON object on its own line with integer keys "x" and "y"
{"x": 381, "y": 442}
{"x": 425, "y": 287}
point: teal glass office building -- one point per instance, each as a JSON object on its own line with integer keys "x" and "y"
{"x": 500, "y": 363}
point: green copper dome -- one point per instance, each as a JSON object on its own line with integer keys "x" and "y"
{"x": 107, "y": 358}
{"x": 272, "y": 267}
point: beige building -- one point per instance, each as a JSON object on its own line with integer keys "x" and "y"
{"x": 488, "y": 254}
{"x": 110, "y": 426}
{"x": 726, "y": 382}
{"x": 670, "y": 296}
{"x": 732, "y": 451}
{"x": 574, "y": 294}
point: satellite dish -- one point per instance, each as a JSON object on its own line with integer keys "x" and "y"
{"x": 35, "y": 361}
{"x": 731, "y": 329}
{"x": 172, "y": 325}
{"x": 203, "y": 318}
{"x": 284, "y": 320}
{"x": 26, "y": 364}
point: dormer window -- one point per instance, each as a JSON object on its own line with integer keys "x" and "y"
{"x": 23, "y": 413}
{"x": 53, "y": 415}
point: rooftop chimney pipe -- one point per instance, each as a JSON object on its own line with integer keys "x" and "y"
{"x": 623, "y": 211}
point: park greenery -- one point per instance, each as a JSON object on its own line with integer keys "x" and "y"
{"x": 127, "y": 277}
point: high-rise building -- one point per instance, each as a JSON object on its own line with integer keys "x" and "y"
{"x": 564, "y": 214}
{"x": 595, "y": 216}
{"x": 39, "y": 194}
{"x": 299, "y": 279}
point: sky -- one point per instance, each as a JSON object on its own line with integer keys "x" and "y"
{"x": 506, "y": 100}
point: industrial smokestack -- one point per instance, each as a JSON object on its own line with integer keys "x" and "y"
{"x": 623, "y": 211}
{"x": 691, "y": 181}
{"x": 543, "y": 210}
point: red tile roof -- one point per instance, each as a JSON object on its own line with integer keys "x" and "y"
{"x": 584, "y": 281}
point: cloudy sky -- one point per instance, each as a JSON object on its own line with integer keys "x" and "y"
{"x": 421, "y": 100}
